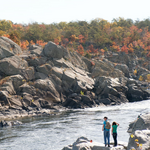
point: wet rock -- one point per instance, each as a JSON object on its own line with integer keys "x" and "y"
{"x": 4, "y": 123}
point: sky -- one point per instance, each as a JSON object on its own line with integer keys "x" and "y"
{"x": 55, "y": 11}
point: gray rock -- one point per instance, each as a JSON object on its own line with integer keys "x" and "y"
{"x": 36, "y": 61}
{"x": 141, "y": 123}
{"x": 48, "y": 85}
{"x": 8, "y": 44}
{"x": 139, "y": 140}
{"x": 33, "y": 47}
{"x": 17, "y": 80}
{"x": 45, "y": 69}
{"x": 26, "y": 88}
{"x": 124, "y": 68}
{"x": 4, "y": 50}
{"x": 39, "y": 75}
{"x": 83, "y": 143}
{"x": 8, "y": 86}
{"x": 37, "y": 51}
{"x": 4, "y": 98}
{"x": 15, "y": 100}
{"x": 4, "y": 123}
{"x": 54, "y": 51}
{"x": 12, "y": 65}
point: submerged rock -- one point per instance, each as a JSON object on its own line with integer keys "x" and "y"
{"x": 4, "y": 123}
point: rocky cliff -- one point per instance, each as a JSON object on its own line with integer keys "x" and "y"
{"x": 51, "y": 78}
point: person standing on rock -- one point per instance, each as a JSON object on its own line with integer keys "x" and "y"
{"x": 106, "y": 128}
{"x": 114, "y": 132}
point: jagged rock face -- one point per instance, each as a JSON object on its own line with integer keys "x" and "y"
{"x": 54, "y": 74}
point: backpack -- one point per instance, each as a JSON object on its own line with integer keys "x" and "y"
{"x": 108, "y": 126}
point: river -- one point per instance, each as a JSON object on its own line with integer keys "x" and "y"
{"x": 55, "y": 132}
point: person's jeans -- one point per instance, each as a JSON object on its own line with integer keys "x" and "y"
{"x": 106, "y": 137}
{"x": 115, "y": 139}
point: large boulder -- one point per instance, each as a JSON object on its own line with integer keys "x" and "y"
{"x": 83, "y": 143}
{"x": 12, "y": 65}
{"x": 8, "y": 48}
{"x": 141, "y": 123}
{"x": 139, "y": 140}
{"x": 54, "y": 51}
{"x": 135, "y": 92}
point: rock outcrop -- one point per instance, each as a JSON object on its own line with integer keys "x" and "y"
{"x": 140, "y": 133}
{"x": 141, "y": 123}
{"x": 83, "y": 143}
{"x": 54, "y": 76}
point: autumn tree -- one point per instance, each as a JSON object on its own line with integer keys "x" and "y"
{"x": 80, "y": 49}
{"x": 124, "y": 49}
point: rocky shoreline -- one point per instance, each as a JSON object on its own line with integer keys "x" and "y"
{"x": 139, "y": 138}
{"x": 43, "y": 80}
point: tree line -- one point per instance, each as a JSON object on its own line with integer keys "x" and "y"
{"x": 95, "y": 37}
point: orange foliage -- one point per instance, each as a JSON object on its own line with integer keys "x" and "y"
{"x": 80, "y": 49}
{"x": 73, "y": 38}
{"x": 124, "y": 49}
{"x": 102, "y": 51}
{"x": 41, "y": 43}
{"x": 24, "y": 44}
{"x": 32, "y": 43}
{"x": 115, "y": 47}
{"x": 92, "y": 49}
{"x": 130, "y": 48}
{"x": 6, "y": 35}
{"x": 80, "y": 37}
{"x": 56, "y": 41}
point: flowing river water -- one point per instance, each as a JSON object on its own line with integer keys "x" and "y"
{"x": 55, "y": 132}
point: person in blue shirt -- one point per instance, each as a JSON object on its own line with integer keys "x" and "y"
{"x": 106, "y": 133}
